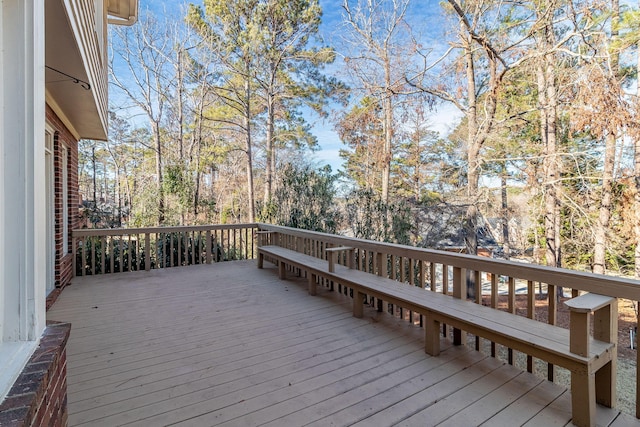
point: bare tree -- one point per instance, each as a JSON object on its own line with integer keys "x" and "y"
{"x": 378, "y": 51}
{"x": 143, "y": 50}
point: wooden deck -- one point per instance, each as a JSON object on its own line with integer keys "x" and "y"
{"x": 228, "y": 344}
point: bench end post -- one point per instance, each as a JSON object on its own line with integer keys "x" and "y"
{"x": 431, "y": 335}
{"x": 358, "y": 303}
{"x": 312, "y": 289}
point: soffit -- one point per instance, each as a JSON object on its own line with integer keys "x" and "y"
{"x": 62, "y": 52}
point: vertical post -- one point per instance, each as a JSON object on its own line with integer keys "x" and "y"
{"x": 147, "y": 251}
{"x": 332, "y": 260}
{"x": 511, "y": 294}
{"x": 311, "y": 283}
{"x": 494, "y": 304}
{"x": 459, "y": 291}
{"x": 382, "y": 305}
{"x": 531, "y": 306}
{"x": 431, "y": 335}
{"x": 379, "y": 257}
{"x": 74, "y": 250}
{"x": 103, "y": 248}
{"x": 432, "y": 276}
{"x": 605, "y": 328}
{"x": 478, "y": 291}
{"x": 358, "y": 302}
{"x": 93, "y": 255}
{"x": 208, "y": 246}
{"x": 552, "y": 320}
{"x": 83, "y": 256}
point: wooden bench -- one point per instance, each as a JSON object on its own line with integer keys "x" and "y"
{"x": 591, "y": 359}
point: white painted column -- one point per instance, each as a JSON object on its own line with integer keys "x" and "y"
{"x": 22, "y": 183}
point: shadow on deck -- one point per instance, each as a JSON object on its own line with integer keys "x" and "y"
{"x": 228, "y": 344}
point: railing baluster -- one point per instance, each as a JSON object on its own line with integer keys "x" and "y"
{"x": 459, "y": 291}
{"x": 83, "y": 255}
{"x": 147, "y": 251}
{"x": 102, "y": 254}
{"x": 445, "y": 279}
{"x": 432, "y": 276}
{"x": 478, "y": 300}
{"x": 494, "y": 304}
{"x": 93, "y": 255}
{"x": 120, "y": 250}
{"x": 552, "y": 319}
{"x": 531, "y": 306}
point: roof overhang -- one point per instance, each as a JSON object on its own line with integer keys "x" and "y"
{"x": 78, "y": 104}
{"x": 122, "y": 12}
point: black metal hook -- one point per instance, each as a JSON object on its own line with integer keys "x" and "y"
{"x": 82, "y": 83}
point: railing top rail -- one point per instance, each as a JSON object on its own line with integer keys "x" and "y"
{"x": 92, "y": 232}
{"x": 585, "y": 281}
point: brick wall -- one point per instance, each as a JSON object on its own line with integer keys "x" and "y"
{"x": 63, "y": 261}
{"x": 39, "y": 395}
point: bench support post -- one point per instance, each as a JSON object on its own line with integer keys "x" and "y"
{"x": 260, "y": 259}
{"x": 311, "y": 288}
{"x": 281, "y": 270}
{"x": 583, "y": 406}
{"x": 605, "y": 328}
{"x": 358, "y": 303}
{"x": 431, "y": 335}
{"x": 460, "y": 292}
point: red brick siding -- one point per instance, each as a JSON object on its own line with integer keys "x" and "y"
{"x": 39, "y": 395}
{"x": 63, "y": 261}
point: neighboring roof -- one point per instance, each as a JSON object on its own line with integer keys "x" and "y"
{"x": 122, "y": 12}
{"x": 444, "y": 228}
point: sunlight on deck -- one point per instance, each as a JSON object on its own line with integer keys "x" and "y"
{"x": 228, "y": 344}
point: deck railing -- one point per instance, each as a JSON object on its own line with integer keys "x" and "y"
{"x": 496, "y": 282}
{"x": 499, "y": 284}
{"x": 116, "y": 250}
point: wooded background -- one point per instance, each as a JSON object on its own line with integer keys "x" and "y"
{"x": 212, "y": 109}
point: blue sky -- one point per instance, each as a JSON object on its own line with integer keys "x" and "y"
{"x": 425, "y": 19}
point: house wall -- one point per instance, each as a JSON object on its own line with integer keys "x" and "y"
{"x": 63, "y": 261}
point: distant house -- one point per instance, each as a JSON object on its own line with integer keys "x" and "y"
{"x": 53, "y": 92}
{"x": 443, "y": 227}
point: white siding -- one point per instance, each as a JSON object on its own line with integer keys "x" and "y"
{"x": 82, "y": 14}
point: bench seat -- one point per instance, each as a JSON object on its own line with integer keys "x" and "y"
{"x": 547, "y": 342}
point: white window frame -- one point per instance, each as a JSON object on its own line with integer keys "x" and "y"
{"x": 50, "y": 209}
{"x": 64, "y": 164}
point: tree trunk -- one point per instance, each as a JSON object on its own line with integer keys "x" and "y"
{"x": 248, "y": 150}
{"x": 270, "y": 165}
{"x": 158, "y": 149}
{"x": 604, "y": 216}
{"x": 505, "y": 211}
{"x": 387, "y": 106}
{"x": 198, "y": 136}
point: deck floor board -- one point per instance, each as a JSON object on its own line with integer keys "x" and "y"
{"x": 229, "y": 344}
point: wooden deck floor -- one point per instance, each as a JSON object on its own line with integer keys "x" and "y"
{"x": 228, "y": 344}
